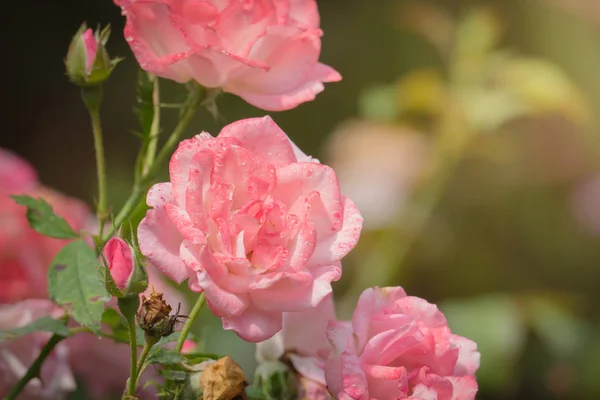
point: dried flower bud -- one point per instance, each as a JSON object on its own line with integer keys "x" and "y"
{"x": 223, "y": 380}
{"x": 154, "y": 316}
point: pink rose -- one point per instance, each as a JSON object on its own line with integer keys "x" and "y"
{"x": 265, "y": 51}
{"x": 399, "y": 347}
{"x": 253, "y": 222}
{"x": 306, "y": 348}
{"x": 25, "y": 255}
{"x": 119, "y": 257}
{"x": 16, "y": 175}
{"x": 17, "y": 355}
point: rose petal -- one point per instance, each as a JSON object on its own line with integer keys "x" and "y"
{"x": 343, "y": 372}
{"x": 254, "y": 325}
{"x": 262, "y": 137}
{"x": 160, "y": 241}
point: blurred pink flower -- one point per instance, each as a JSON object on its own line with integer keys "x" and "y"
{"x": 253, "y": 222}
{"x": 25, "y": 255}
{"x": 399, "y": 347}
{"x": 188, "y": 346}
{"x": 16, "y": 175}
{"x": 265, "y": 51}
{"x": 120, "y": 258}
{"x": 17, "y": 355}
{"x": 377, "y": 166}
{"x": 584, "y": 204}
{"x": 305, "y": 346}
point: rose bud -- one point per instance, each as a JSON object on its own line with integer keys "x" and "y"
{"x": 87, "y": 62}
{"x": 126, "y": 278}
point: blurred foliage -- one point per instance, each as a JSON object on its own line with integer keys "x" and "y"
{"x": 504, "y": 95}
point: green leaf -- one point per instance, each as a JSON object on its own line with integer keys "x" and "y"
{"x": 177, "y": 376}
{"x": 44, "y": 324}
{"x": 112, "y": 318}
{"x": 74, "y": 282}
{"x": 254, "y": 393}
{"x": 197, "y": 358}
{"x": 118, "y": 325}
{"x": 41, "y": 217}
{"x": 164, "y": 357}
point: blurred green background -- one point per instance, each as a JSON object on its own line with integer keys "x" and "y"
{"x": 466, "y": 131}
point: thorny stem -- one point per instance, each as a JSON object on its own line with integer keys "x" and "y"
{"x": 35, "y": 369}
{"x": 190, "y": 321}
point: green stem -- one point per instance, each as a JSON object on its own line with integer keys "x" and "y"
{"x": 140, "y": 188}
{"x": 133, "y": 351}
{"x": 136, "y": 196}
{"x": 92, "y": 97}
{"x": 154, "y": 128}
{"x": 188, "y": 114}
{"x": 134, "y": 379}
{"x": 188, "y": 324}
{"x": 35, "y": 369}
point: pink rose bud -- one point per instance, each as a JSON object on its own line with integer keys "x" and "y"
{"x": 87, "y": 62}
{"x": 120, "y": 259}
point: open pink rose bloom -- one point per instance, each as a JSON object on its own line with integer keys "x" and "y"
{"x": 265, "y": 51}
{"x": 254, "y": 223}
{"x": 399, "y": 347}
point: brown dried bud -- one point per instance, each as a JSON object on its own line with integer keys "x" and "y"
{"x": 223, "y": 380}
{"x": 154, "y": 315}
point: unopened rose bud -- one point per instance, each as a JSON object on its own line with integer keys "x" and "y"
{"x": 119, "y": 257}
{"x": 154, "y": 316}
{"x": 126, "y": 276}
{"x": 87, "y": 62}
{"x": 223, "y": 380}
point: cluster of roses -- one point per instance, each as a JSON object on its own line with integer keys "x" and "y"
{"x": 247, "y": 219}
